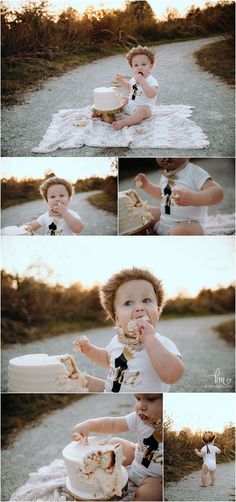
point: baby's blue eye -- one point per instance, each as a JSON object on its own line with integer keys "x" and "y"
{"x": 147, "y": 300}
{"x": 128, "y": 303}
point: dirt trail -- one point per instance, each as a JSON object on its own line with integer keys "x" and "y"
{"x": 181, "y": 81}
{"x": 188, "y": 488}
{"x": 96, "y": 221}
{"x": 193, "y": 337}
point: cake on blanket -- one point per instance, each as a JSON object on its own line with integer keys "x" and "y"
{"x": 107, "y": 99}
{"x": 43, "y": 373}
{"x": 14, "y": 230}
{"x": 94, "y": 470}
{"x": 133, "y": 213}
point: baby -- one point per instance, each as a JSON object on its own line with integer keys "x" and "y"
{"x": 137, "y": 356}
{"x": 143, "y": 87}
{"x": 208, "y": 453}
{"x": 185, "y": 191}
{"x": 144, "y": 459}
{"x": 58, "y": 220}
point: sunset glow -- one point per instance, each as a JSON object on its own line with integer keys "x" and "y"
{"x": 186, "y": 410}
{"x": 159, "y": 7}
{"x": 69, "y": 168}
{"x": 183, "y": 263}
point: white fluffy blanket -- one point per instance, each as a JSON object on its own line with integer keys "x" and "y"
{"x": 48, "y": 484}
{"x": 169, "y": 127}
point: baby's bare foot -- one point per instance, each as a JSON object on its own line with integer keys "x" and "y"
{"x": 119, "y": 124}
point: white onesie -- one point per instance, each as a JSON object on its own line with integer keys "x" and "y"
{"x": 56, "y": 225}
{"x": 148, "y": 454}
{"x": 140, "y": 97}
{"x": 132, "y": 371}
{"x": 192, "y": 177}
{"x": 209, "y": 451}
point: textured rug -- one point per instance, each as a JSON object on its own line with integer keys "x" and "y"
{"x": 49, "y": 484}
{"x": 169, "y": 127}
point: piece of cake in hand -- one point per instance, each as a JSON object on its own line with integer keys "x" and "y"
{"x": 94, "y": 470}
{"x": 43, "y": 373}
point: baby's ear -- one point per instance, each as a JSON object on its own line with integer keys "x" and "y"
{"x": 117, "y": 320}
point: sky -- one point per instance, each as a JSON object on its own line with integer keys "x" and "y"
{"x": 158, "y": 6}
{"x": 184, "y": 264}
{"x": 69, "y": 168}
{"x": 200, "y": 411}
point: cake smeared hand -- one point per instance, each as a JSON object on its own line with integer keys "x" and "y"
{"x": 140, "y": 327}
{"x": 81, "y": 432}
{"x": 118, "y": 77}
{"x": 141, "y": 181}
{"x": 59, "y": 209}
{"x": 81, "y": 344}
{"x": 139, "y": 77}
{"x": 183, "y": 197}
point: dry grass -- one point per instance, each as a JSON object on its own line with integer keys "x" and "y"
{"x": 22, "y": 411}
{"x": 104, "y": 201}
{"x": 219, "y": 60}
{"x": 226, "y": 330}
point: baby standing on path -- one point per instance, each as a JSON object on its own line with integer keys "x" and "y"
{"x": 208, "y": 453}
{"x": 138, "y": 358}
{"x": 143, "y": 88}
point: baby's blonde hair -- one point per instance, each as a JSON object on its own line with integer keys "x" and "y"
{"x": 136, "y": 51}
{"x": 54, "y": 180}
{"x": 108, "y": 291}
{"x": 208, "y": 437}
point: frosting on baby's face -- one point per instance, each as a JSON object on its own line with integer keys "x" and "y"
{"x": 149, "y": 407}
{"x": 169, "y": 163}
{"x": 135, "y": 301}
{"x": 57, "y": 194}
{"x": 141, "y": 64}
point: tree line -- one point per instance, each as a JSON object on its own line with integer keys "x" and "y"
{"x": 30, "y": 304}
{"x": 16, "y": 191}
{"x": 34, "y": 31}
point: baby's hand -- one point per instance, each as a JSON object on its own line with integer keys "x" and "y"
{"x": 145, "y": 329}
{"x": 118, "y": 77}
{"x": 183, "y": 197}
{"x": 60, "y": 209}
{"x": 80, "y": 432}
{"x": 139, "y": 78}
{"x": 81, "y": 344}
{"x": 141, "y": 181}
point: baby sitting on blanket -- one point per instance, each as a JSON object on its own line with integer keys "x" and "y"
{"x": 143, "y": 88}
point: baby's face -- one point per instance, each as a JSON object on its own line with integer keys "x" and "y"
{"x": 133, "y": 300}
{"x": 141, "y": 64}
{"x": 170, "y": 163}
{"x": 149, "y": 407}
{"x": 57, "y": 194}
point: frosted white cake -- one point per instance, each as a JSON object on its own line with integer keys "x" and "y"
{"x": 14, "y": 230}
{"x": 106, "y": 99}
{"x": 94, "y": 471}
{"x": 43, "y": 373}
{"x": 133, "y": 212}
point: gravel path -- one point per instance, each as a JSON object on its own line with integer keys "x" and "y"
{"x": 188, "y": 488}
{"x": 211, "y": 352}
{"x": 41, "y": 444}
{"x": 181, "y": 81}
{"x": 96, "y": 221}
